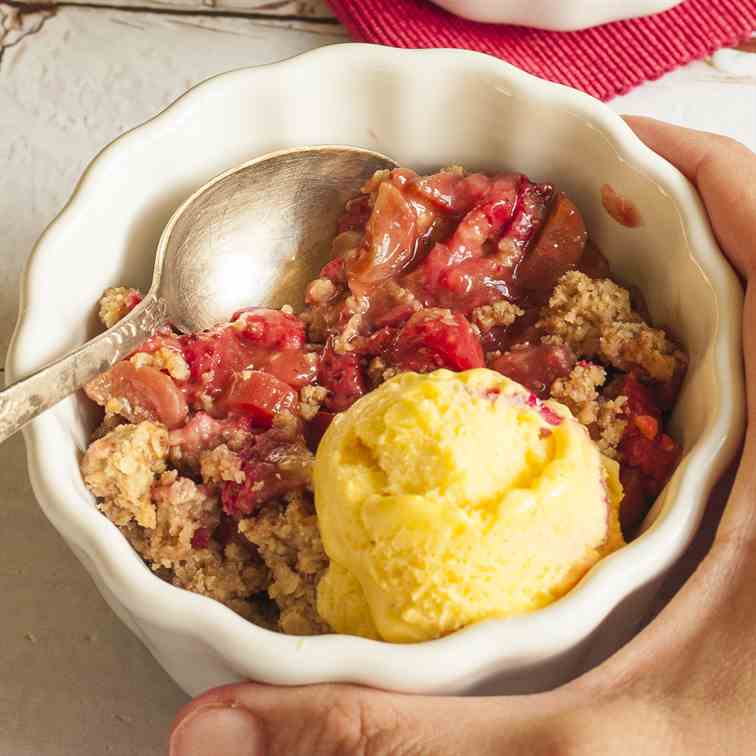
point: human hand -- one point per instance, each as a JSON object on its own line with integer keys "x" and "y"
{"x": 685, "y": 685}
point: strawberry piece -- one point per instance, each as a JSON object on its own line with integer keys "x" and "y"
{"x": 271, "y": 329}
{"x": 342, "y": 375}
{"x": 259, "y": 339}
{"x": 640, "y": 397}
{"x": 647, "y": 425}
{"x": 635, "y": 504}
{"x": 653, "y": 455}
{"x": 435, "y": 338}
{"x": 264, "y": 476}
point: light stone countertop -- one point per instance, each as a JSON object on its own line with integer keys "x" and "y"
{"x": 74, "y": 680}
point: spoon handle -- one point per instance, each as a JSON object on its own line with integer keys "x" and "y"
{"x": 24, "y": 400}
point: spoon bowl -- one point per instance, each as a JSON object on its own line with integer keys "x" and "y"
{"x": 252, "y": 235}
{"x": 258, "y": 233}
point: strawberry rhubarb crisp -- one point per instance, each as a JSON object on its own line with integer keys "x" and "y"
{"x": 203, "y": 458}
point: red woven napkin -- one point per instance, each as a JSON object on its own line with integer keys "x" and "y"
{"x": 605, "y": 61}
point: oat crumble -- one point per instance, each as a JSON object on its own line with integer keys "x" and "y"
{"x": 502, "y": 313}
{"x": 116, "y": 303}
{"x": 578, "y": 391}
{"x": 121, "y": 468}
{"x": 594, "y": 318}
{"x": 310, "y": 400}
{"x": 221, "y": 464}
{"x": 165, "y": 358}
{"x": 288, "y": 540}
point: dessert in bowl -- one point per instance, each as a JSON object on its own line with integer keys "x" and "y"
{"x": 439, "y": 500}
{"x": 482, "y": 113}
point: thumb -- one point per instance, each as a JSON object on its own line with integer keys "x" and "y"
{"x": 723, "y": 171}
{"x": 329, "y": 720}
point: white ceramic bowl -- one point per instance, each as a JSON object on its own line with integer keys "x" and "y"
{"x": 556, "y": 15}
{"x": 426, "y": 109}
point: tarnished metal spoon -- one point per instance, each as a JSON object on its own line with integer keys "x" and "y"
{"x": 253, "y": 235}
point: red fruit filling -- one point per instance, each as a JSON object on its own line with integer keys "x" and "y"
{"x": 275, "y": 463}
{"x": 648, "y": 455}
{"x": 342, "y": 375}
{"x": 433, "y": 339}
{"x": 535, "y": 366}
{"x": 150, "y": 389}
{"x": 258, "y": 396}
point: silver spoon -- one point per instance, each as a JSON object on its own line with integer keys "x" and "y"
{"x": 254, "y": 235}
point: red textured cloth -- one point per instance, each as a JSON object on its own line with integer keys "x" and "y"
{"x": 605, "y": 61}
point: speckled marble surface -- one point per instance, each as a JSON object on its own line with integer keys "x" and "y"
{"x": 74, "y": 680}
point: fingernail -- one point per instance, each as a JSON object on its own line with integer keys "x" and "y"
{"x": 219, "y": 731}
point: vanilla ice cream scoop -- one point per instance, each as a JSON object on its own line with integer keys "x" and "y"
{"x": 450, "y": 498}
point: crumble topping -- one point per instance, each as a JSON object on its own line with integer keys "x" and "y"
{"x": 182, "y": 507}
{"x": 630, "y": 345}
{"x": 221, "y": 464}
{"x": 502, "y": 313}
{"x": 321, "y": 291}
{"x": 169, "y": 360}
{"x": 310, "y": 400}
{"x": 594, "y": 317}
{"x": 358, "y": 306}
{"x": 232, "y": 575}
{"x": 581, "y": 308}
{"x": 378, "y": 371}
{"x": 121, "y": 468}
{"x": 288, "y": 540}
{"x": 117, "y": 302}
{"x": 578, "y": 391}
{"x": 610, "y": 424}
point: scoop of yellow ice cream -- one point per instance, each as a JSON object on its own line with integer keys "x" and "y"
{"x": 450, "y": 498}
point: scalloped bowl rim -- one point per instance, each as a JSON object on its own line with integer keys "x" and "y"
{"x": 494, "y": 643}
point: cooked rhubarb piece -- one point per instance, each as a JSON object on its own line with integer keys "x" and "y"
{"x": 259, "y": 396}
{"x": 149, "y": 392}
{"x": 593, "y": 263}
{"x": 389, "y": 241}
{"x": 557, "y": 249}
{"x": 536, "y": 366}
